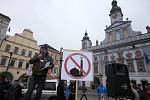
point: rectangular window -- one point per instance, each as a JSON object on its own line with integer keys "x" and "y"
{"x": 140, "y": 65}
{"x": 20, "y": 64}
{"x": 51, "y": 86}
{"x": 96, "y": 68}
{"x": 23, "y": 52}
{"x": 130, "y": 65}
{"x": 51, "y": 70}
{"x": 12, "y": 63}
{"x": 3, "y": 61}
{"x": 27, "y": 65}
{"x": 55, "y": 70}
{"x": 30, "y": 54}
{"x": 7, "y": 48}
{"x": 95, "y": 59}
{"x": 53, "y": 57}
{"x": 16, "y": 50}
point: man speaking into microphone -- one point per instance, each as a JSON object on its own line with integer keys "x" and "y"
{"x": 41, "y": 63}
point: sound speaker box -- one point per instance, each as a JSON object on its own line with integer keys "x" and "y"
{"x": 118, "y": 82}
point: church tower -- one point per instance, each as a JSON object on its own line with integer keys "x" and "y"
{"x": 86, "y": 42}
{"x": 4, "y": 23}
{"x": 115, "y": 12}
{"x": 118, "y": 29}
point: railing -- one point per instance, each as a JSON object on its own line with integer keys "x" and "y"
{"x": 122, "y": 41}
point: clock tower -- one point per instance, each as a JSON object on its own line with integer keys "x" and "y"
{"x": 118, "y": 29}
{"x": 86, "y": 42}
{"x": 115, "y": 12}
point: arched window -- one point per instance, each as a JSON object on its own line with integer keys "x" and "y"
{"x": 110, "y": 37}
{"x": 117, "y": 36}
{"x": 125, "y": 33}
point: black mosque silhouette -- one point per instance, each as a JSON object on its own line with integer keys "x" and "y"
{"x": 75, "y": 72}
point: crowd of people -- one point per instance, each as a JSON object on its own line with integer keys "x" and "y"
{"x": 10, "y": 90}
{"x": 13, "y": 91}
{"x": 140, "y": 92}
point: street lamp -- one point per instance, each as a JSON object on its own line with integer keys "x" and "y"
{"x": 9, "y": 61}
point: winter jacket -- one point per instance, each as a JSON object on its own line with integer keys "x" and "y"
{"x": 39, "y": 63}
{"x": 101, "y": 89}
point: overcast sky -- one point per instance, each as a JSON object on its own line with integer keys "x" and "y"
{"x": 62, "y": 23}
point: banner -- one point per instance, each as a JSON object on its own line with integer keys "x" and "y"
{"x": 77, "y": 65}
{"x": 146, "y": 53}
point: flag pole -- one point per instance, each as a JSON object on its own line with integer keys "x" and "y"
{"x": 76, "y": 93}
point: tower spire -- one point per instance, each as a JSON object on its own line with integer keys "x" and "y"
{"x": 115, "y": 8}
{"x": 86, "y": 42}
{"x": 115, "y": 12}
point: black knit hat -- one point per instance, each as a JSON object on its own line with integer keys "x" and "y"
{"x": 44, "y": 46}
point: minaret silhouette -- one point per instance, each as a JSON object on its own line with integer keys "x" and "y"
{"x": 81, "y": 64}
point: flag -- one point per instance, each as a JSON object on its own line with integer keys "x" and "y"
{"x": 146, "y": 52}
{"x": 147, "y": 60}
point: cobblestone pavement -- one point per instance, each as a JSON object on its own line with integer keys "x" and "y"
{"x": 91, "y": 95}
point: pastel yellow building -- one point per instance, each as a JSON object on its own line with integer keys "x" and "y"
{"x": 22, "y": 46}
{"x": 15, "y": 52}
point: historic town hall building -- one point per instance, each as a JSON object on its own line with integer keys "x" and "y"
{"x": 121, "y": 45}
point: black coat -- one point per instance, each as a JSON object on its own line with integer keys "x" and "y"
{"x": 60, "y": 91}
{"x": 72, "y": 88}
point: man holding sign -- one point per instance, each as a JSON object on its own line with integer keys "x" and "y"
{"x": 41, "y": 63}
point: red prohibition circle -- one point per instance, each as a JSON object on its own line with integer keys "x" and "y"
{"x": 69, "y": 57}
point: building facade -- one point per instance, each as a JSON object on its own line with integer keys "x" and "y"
{"x": 4, "y": 23}
{"x": 121, "y": 45}
{"x": 17, "y": 50}
{"x": 54, "y": 73}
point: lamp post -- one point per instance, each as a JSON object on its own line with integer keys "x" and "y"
{"x": 9, "y": 61}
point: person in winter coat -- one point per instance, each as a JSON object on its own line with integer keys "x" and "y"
{"x": 72, "y": 88}
{"x": 60, "y": 91}
{"x": 18, "y": 88}
{"x": 101, "y": 91}
{"x": 66, "y": 92}
{"x": 9, "y": 90}
{"x": 39, "y": 72}
{"x": 84, "y": 90}
{"x": 140, "y": 92}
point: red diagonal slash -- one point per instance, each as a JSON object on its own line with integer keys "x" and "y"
{"x": 78, "y": 66}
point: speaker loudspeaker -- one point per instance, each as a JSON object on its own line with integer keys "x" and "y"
{"x": 118, "y": 82}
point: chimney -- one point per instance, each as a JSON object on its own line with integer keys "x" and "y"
{"x": 96, "y": 42}
{"x": 148, "y": 29}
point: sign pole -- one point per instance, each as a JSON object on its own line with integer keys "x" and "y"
{"x": 60, "y": 86}
{"x": 76, "y": 93}
{"x": 61, "y": 55}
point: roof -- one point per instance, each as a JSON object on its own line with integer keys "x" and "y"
{"x": 49, "y": 47}
{"x": 113, "y": 25}
{"x": 4, "y": 16}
